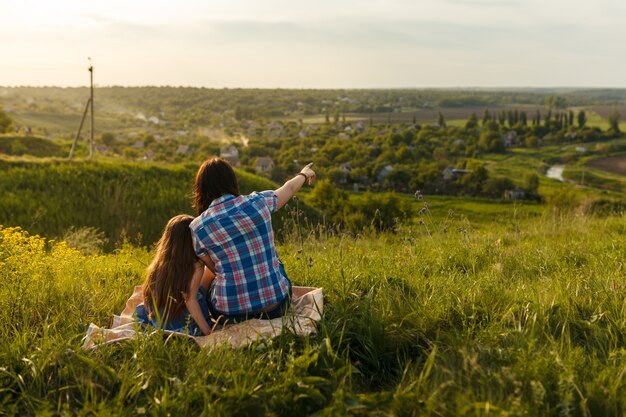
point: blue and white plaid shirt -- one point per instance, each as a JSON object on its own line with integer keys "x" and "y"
{"x": 236, "y": 232}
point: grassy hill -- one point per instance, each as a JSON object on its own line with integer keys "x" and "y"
{"x": 34, "y": 146}
{"x": 123, "y": 200}
{"x": 525, "y": 317}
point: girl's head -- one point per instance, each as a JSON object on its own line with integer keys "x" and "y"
{"x": 170, "y": 273}
{"x": 214, "y": 179}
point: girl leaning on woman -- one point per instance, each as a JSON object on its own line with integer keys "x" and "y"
{"x": 221, "y": 266}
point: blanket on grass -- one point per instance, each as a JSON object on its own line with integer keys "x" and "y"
{"x": 306, "y": 309}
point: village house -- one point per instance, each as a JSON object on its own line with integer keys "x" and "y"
{"x": 183, "y": 150}
{"x": 450, "y": 173}
{"x": 515, "y": 194}
{"x": 275, "y": 126}
{"x": 264, "y": 164}
{"x": 346, "y": 169}
{"x": 149, "y": 156}
{"x": 383, "y": 173}
{"x": 230, "y": 154}
{"x": 510, "y": 139}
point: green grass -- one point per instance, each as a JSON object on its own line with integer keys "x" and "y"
{"x": 525, "y": 317}
{"x": 28, "y": 145}
{"x": 595, "y": 178}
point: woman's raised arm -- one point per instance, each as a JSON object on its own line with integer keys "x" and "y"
{"x": 291, "y": 187}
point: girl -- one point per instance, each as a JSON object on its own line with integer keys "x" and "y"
{"x": 233, "y": 236}
{"x": 174, "y": 291}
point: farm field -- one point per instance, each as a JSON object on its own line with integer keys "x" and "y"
{"x": 524, "y": 317}
{"x": 614, "y": 164}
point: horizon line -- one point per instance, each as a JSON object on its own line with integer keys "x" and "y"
{"x": 469, "y": 87}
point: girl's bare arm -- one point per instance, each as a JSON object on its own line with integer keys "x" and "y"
{"x": 192, "y": 304}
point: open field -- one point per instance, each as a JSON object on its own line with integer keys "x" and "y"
{"x": 600, "y": 120}
{"x": 605, "y": 111}
{"x": 525, "y": 317}
{"x": 67, "y": 124}
{"x": 614, "y": 164}
{"x": 452, "y": 115}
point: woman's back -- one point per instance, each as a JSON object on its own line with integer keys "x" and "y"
{"x": 236, "y": 232}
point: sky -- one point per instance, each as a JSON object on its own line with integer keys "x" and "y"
{"x": 314, "y": 44}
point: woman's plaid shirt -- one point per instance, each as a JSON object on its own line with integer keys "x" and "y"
{"x": 236, "y": 232}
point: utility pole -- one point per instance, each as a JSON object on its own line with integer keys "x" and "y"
{"x": 88, "y": 107}
{"x": 91, "y": 124}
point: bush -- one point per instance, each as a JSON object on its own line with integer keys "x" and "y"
{"x": 88, "y": 240}
{"x": 562, "y": 201}
{"x": 603, "y": 207}
{"x": 5, "y": 122}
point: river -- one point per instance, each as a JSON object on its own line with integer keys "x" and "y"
{"x": 556, "y": 172}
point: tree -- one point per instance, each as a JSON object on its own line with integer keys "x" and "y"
{"x": 328, "y": 198}
{"x": 107, "y": 138}
{"x": 5, "y": 122}
{"x": 238, "y": 113}
{"x": 472, "y": 122}
{"x": 556, "y": 102}
{"x": 531, "y": 183}
{"x": 581, "y": 118}
{"x": 496, "y": 186}
{"x": 486, "y": 116}
{"x": 502, "y": 117}
{"x": 523, "y": 118}
{"x": 440, "y": 120}
{"x": 531, "y": 141}
{"x": 548, "y": 120}
{"x": 614, "y": 121}
{"x": 489, "y": 140}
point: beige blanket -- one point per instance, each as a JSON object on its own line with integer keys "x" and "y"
{"x": 305, "y": 311}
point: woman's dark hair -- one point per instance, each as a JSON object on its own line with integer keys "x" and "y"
{"x": 169, "y": 275}
{"x": 214, "y": 179}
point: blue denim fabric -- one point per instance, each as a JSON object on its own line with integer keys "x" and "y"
{"x": 183, "y": 324}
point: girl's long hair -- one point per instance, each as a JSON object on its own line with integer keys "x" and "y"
{"x": 169, "y": 275}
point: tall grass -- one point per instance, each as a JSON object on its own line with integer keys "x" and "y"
{"x": 522, "y": 318}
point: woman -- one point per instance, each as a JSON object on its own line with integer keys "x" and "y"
{"x": 233, "y": 236}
